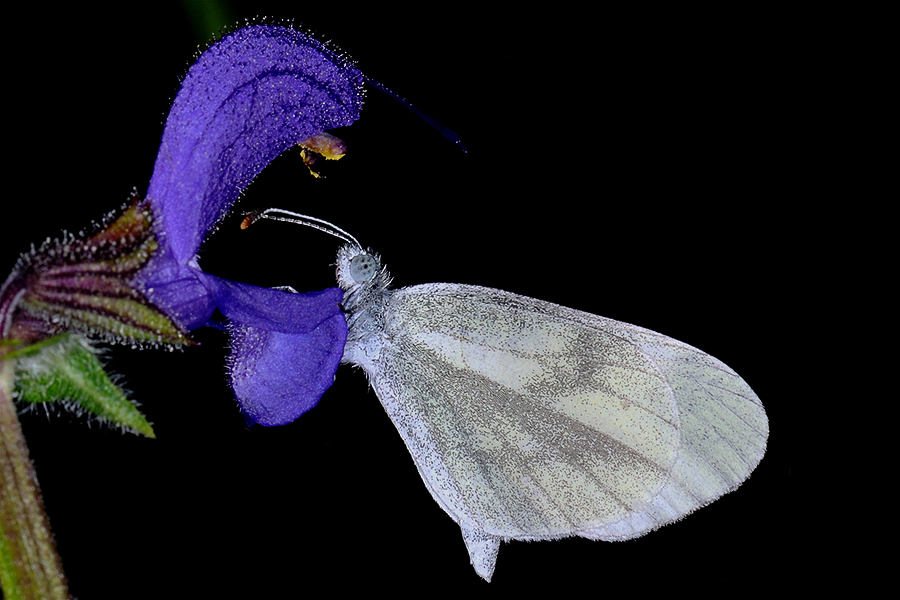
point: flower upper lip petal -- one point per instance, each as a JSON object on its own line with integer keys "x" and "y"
{"x": 249, "y": 97}
{"x": 253, "y": 94}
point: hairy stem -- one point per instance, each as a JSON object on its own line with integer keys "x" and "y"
{"x": 29, "y": 564}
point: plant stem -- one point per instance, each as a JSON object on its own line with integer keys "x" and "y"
{"x": 29, "y": 564}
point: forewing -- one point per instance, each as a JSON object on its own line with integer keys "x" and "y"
{"x": 524, "y": 420}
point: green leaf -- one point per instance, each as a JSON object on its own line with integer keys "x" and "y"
{"x": 65, "y": 367}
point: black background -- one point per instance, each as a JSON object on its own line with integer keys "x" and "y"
{"x": 629, "y": 165}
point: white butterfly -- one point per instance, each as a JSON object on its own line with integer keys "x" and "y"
{"x": 532, "y": 421}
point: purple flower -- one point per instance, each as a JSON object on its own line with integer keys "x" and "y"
{"x": 249, "y": 97}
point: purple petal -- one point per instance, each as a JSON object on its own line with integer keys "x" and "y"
{"x": 275, "y": 310}
{"x": 249, "y": 97}
{"x": 279, "y": 376}
{"x": 177, "y": 290}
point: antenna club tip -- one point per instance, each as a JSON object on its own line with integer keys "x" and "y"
{"x": 247, "y": 222}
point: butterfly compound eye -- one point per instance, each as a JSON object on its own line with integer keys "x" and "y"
{"x": 362, "y": 268}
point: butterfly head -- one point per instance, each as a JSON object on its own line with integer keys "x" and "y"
{"x": 362, "y": 277}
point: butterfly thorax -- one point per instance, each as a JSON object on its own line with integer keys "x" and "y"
{"x": 366, "y": 294}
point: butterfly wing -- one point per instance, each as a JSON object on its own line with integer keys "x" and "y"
{"x": 528, "y": 420}
{"x": 724, "y": 431}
